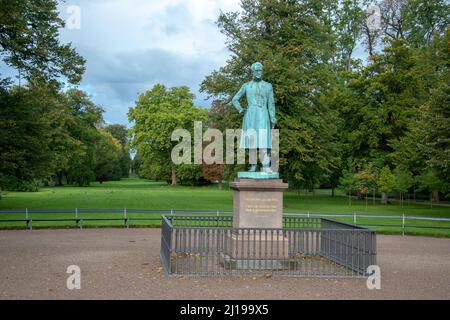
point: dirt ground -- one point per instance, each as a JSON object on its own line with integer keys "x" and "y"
{"x": 125, "y": 264}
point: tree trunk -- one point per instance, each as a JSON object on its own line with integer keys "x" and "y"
{"x": 431, "y": 199}
{"x": 174, "y": 177}
{"x": 332, "y": 192}
{"x": 435, "y": 196}
{"x": 384, "y": 198}
{"x": 359, "y": 195}
{"x": 220, "y": 184}
{"x": 59, "y": 178}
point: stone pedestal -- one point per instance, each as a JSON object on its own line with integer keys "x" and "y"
{"x": 258, "y": 203}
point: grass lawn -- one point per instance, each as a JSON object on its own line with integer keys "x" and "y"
{"x": 143, "y": 194}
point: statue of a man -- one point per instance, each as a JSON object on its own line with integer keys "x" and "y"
{"x": 259, "y": 117}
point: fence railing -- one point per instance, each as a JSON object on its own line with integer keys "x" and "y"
{"x": 128, "y": 215}
{"x": 315, "y": 247}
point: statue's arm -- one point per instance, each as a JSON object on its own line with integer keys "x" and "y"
{"x": 237, "y": 97}
{"x": 271, "y": 106}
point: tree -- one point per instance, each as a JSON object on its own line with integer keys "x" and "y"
{"x": 426, "y": 19}
{"x": 213, "y": 172}
{"x": 365, "y": 181}
{"x": 190, "y": 174}
{"x": 35, "y": 117}
{"x": 431, "y": 182}
{"x": 24, "y": 147}
{"x": 292, "y": 41}
{"x": 393, "y": 18}
{"x": 29, "y": 41}
{"x": 346, "y": 20}
{"x": 221, "y": 117}
{"x": 158, "y": 112}
{"x": 120, "y": 133}
{"x": 386, "y": 183}
{"x": 348, "y": 182}
{"x": 403, "y": 181}
{"x": 136, "y": 164}
{"x": 425, "y": 144}
{"x": 381, "y": 107}
{"x": 86, "y": 117}
{"x": 370, "y": 33}
{"x": 108, "y": 152}
{"x": 437, "y": 146}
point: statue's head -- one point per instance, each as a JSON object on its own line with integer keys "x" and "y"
{"x": 257, "y": 69}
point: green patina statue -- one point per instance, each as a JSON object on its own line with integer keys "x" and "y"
{"x": 259, "y": 118}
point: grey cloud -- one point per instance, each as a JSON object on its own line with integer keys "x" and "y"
{"x": 116, "y": 80}
{"x": 126, "y": 56}
{"x": 178, "y": 18}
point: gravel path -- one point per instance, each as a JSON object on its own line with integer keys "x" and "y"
{"x": 124, "y": 264}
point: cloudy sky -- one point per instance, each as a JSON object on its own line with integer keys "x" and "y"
{"x": 130, "y": 45}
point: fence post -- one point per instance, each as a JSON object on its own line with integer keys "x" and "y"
{"x": 218, "y": 213}
{"x": 125, "y": 219}
{"x": 27, "y": 223}
{"x": 354, "y": 217}
{"x": 403, "y": 225}
{"x": 29, "y": 220}
{"x": 308, "y": 214}
{"x": 76, "y": 217}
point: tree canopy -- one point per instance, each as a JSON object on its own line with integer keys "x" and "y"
{"x": 340, "y": 115}
{"x": 49, "y": 135}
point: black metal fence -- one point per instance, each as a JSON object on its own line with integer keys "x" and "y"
{"x": 128, "y": 216}
{"x": 309, "y": 247}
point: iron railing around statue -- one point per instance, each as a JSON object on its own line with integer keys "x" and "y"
{"x": 308, "y": 247}
{"x": 126, "y": 217}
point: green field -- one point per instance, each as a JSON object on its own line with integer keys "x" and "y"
{"x": 143, "y": 194}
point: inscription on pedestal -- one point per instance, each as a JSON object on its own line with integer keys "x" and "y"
{"x": 258, "y": 203}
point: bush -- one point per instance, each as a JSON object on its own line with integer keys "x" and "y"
{"x": 12, "y": 183}
{"x": 32, "y": 186}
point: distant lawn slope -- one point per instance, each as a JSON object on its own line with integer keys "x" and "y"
{"x": 143, "y": 194}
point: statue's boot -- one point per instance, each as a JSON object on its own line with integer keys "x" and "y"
{"x": 252, "y": 168}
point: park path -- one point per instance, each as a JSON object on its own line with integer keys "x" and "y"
{"x": 124, "y": 264}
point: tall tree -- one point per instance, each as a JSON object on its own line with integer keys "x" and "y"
{"x": 86, "y": 117}
{"x": 403, "y": 181}
{"x": 426, "y": 19}
{"x": 29, "y": 41}
{"x": 348, "y": 182}
{"x": 431, "y": 182}
{"x": 293, "y": 43}
{"x": 108, "y": 152}
{"x": 158, "y": 112}
{"x": 24, "y": 141}
{"x": 386, "y": 183}
{"x": 120, "y": 132}
{"x": 35, "y": 118}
